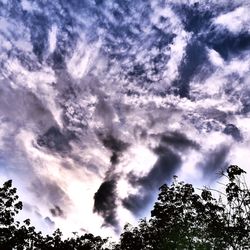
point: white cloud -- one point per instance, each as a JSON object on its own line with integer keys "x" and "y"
{"x": 235, "y": 21}
{"x": 215, "y": 58}
{"x": 177, "y": 52}
{"x": 52, "y": 38}
{"x": 139, "y": 160}
{"x": 26, "y": 5}
{"x": 77, "y": 182}
{"x": 83, "y": 59}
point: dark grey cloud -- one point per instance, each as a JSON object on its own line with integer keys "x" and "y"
{"x": 115, "y": 145}
{"x": 39, "y": 33}
{"x": 215, "y": 114}
{"x": 196, "y": 56}
{"x": 55, "y": 140}
{"x": 231, "y": 129}
{"x": 214, "y": 162}
{"x": 137, "y": 203}
{"x": 22, "y": 108}
{"x": 105, "y": 202}
{"x": 114, "y": 159}
{"x": 177, "y": 140}
{"x": 105, "y": 111}
{"x": 50, "y": 222}
{"x": 166, "y": 166}
{"x": 56, "y": 211}
{"x": 245, "y": 101}
{"x": 49, "y": 191}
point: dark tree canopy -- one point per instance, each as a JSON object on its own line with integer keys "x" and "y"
{"x": 181, "y": 219}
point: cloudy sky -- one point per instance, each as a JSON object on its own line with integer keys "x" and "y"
{"x": 101, "y": 102}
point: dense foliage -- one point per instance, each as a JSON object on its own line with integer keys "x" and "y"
{"x": 180, "y": 219}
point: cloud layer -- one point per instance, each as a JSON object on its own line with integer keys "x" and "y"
{"x": 102, "y": 102}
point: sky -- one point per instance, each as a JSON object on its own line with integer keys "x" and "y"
{"x": 102, "y": 102}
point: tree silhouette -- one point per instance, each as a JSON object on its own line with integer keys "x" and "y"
{"x": 181, "y": 219}
{"x": 13, "y": 235}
